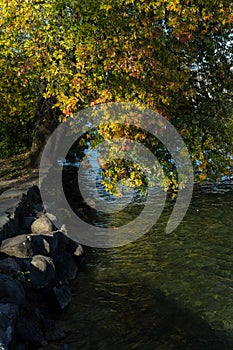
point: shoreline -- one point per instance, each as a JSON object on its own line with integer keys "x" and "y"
{"x": 37, "y": 261}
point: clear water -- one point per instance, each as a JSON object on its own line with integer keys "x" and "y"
{"x": 164, "y": 291}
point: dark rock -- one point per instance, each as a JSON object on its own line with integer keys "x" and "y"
{"x": 67, "y": 244}
{"x": 42, "y": 271}
{"x": 62, "y": 294}
{"x": 66, "y": 267}
{"x": 43, "y": 244}
{"x": 65, "y": 347}
{"x": 38, "y": 209}
{"x": 19, "y": 346}
{"x": 10, "y": 266}
{"x": 27, "y": 222}
{"x": 8, "y": 316}
{"x": 52, "y": 330}
{"x": 11, "y": 291}
{"x": 28, "y": 329}
{"x": 42, "y": 224}
{"x": 33, "y": 195}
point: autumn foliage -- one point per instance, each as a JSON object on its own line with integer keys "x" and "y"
{"x": 172, "y": 56}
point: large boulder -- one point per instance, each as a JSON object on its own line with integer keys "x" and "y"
{"x": 18, "y": 246}
{"x": 42, "y": 224}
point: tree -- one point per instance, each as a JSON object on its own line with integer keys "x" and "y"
{"x": 173, "y": 56}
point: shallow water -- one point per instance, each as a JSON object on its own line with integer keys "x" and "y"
{"x": 164, "y": 291}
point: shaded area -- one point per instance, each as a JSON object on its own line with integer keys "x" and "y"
{"x": 131, "y": 315}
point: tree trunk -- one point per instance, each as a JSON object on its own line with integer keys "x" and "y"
{"x": 46, "y": 122}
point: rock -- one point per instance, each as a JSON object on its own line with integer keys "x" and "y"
{"x": 27, "y": 222}
{"x": 62, "y": 294}
{"x": 65, "y": 243}
{"x": 19, "y": 246}
{"x": 33, "y": 195}
{"x": 8, "y": 316}
{"x": 65, "y": 347}
{"x": 79, "y": 251}
{"x": 11, "y": 291}
{"x": 28, "y": 329}
{"x": 66, "y": 267}
{"x": 42, "y": 271}
{"x": 52, "y": 330}
{"x": 42, "y": 224}
{"x": 19, "y": 346}
{"x": 25, "y": 246}
{"x": 10, "y": 266}
{"x": 43, "y": 244}
{"x": 38, "y": 208}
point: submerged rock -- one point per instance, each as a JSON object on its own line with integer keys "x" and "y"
{"x": 62, "y": 294}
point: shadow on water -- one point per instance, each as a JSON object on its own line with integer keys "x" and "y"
{"x": 127, "y": 315}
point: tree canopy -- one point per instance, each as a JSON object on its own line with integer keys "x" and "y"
{"x": 174, "y": 57}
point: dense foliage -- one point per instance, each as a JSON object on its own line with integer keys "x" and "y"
{"x": 173, "y": 56}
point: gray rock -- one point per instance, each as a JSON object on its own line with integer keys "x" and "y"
{"x": 42, "y": 224}
{"x": 11, "y": 291}
{"x": 42, "y": 271}
{"x": 8, "y": 316}
{"x": 19, "y": 246}
{"x": 62, "y": 294}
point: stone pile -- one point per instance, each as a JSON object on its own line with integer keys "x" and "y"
{"x": 35, "y": 268}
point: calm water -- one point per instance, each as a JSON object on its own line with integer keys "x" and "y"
{"x": 164, "y": 291}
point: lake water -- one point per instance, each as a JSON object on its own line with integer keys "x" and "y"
{"x": 164, "y": 291}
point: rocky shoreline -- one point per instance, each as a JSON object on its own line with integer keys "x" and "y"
{"x": 37, "y": 261}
